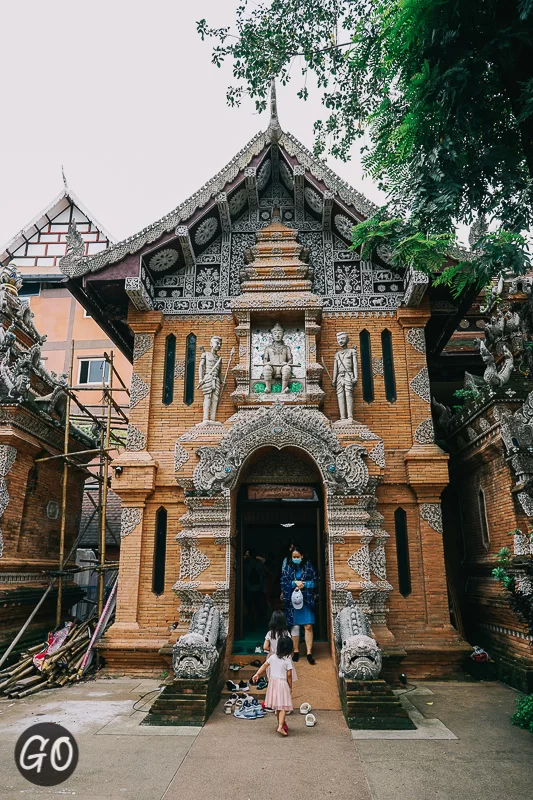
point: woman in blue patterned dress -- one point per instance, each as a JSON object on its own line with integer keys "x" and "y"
{"x": 299, "y": 573}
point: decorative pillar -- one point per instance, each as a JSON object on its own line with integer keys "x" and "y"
{"x": 135, "y": 481}
{"x": 426, "y": 464}
{"x": 145, "y": 327}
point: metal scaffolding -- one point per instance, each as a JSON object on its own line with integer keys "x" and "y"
{"x": 107, "y": 421}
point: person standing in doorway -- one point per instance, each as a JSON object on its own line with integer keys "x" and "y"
{"x": 298, "y": 584}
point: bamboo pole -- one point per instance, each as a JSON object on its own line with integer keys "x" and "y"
{"x": 24, "y": 627}
{"x": 64, "y": 494}
{"x": 103, "y": 506}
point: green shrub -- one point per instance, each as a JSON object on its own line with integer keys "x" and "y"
{"x": 523, "y": 716}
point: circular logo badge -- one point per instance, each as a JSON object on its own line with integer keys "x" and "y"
{"x": 46, "y": 754}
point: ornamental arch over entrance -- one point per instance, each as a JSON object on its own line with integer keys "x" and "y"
{"x": 354, "y": 540}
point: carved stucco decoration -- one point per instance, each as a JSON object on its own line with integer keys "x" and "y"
{"x": 179, "y": 369}
{"x": 135, "y": 438}
{"x": 432, "y": 514}
{"x": 360, "y": 562}
{"x": 378, "y": 562}
{"x": 143, "y": 343}
{"x": 417, "y": 339}
{"x": 526, "y": 501}
{"x": 425, "y": 434}
{"x": 190, "y": 598}
{"x": 8, "y": 455}
{"x": 138, "y": 390}
{"x": 377, "y": 454}
{"x": 129, "y": 519}
{"x": 484, "y": 424}
{"x": 420, "y": 385}
{"x": 192, "y": 561}
{"x": 523, "y": 544}
{"x": 377, "y": 366}
{"x": 343, "y": 469}
{"x": 181, "y": 456}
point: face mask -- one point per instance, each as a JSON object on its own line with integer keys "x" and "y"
{"x": 296, "y": 561}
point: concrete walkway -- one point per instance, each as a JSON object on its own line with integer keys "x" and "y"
{"x": 239, "y": 759}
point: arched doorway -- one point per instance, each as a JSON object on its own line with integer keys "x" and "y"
{"x": 349, "y": 469}
{"x": 279, "y": 502}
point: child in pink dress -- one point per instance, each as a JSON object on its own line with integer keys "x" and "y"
{"x": 278, "y": 694}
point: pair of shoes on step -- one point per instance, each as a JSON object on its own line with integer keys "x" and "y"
{"x": 310, "y": 658}
{"x": 242, "y": 686}
{"x": 250, "y": 709}
{"x": 310, "y": 719}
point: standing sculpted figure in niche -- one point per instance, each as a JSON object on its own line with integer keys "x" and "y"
{"x": 277, "y": 360}
{"x": 345, "y": 376}
{"x": 209, "y": 373}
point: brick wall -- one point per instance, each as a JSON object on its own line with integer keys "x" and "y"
{"x": 413, "y": 474}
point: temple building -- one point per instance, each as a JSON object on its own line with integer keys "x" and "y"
{"x": 280, "y": 391}
{"x": 35, "y": 252}
{"x": 33, "y": 532}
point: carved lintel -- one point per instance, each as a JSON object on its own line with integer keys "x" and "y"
{"x": 223, "y": 210}
{"x": 138, "y": 294}
{"x": 184, "y": 238}
{"x": 416, "y": 285}
{"x": 327, "y": 209}
{"x": 250, "y": 181}
{"x": 299, "y": 185}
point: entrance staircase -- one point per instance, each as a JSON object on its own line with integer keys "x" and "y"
{"x": 316, "y": 684}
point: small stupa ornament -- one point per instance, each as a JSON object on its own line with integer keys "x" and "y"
{"x": 10, "y": 279}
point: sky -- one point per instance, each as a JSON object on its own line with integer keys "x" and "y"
{"x": 124, "y": 96}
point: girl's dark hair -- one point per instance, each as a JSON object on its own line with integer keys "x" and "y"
{"x": 278, "y": 625}
{"x": 285, "y": 647}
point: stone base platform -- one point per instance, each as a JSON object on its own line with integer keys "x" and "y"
{"x": 372, "y": 705}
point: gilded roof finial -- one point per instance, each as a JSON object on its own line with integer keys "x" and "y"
{"x": 274, "y": 129}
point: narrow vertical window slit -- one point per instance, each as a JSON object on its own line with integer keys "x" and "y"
{"x": 388, "y": 366}
{"x": 170, "y": 365}
{"x": 190, "y": 369}
{"x": 402, "y": 552}
{"x": 160, "y": 551}
{"x": 366, "y": 366}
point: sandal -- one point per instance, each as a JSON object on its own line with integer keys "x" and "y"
{"x": 305, "y": 708}
{"x": 228, "y": 707}
{"x": 256, "y": 663}
{"x": 310, "y": 721}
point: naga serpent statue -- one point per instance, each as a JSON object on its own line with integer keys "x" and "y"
{"x": 360, "y": 655}
{"x": 195, "y": 653}
{"x": 492, "y": 375}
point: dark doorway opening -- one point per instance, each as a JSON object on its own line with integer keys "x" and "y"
{"x": 265, "y": 529}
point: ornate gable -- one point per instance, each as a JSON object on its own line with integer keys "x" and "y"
{"x": 190, "y": 262}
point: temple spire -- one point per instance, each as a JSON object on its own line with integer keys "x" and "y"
{"x": 274, "y": 130}
{"x": 65, "y": 184}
